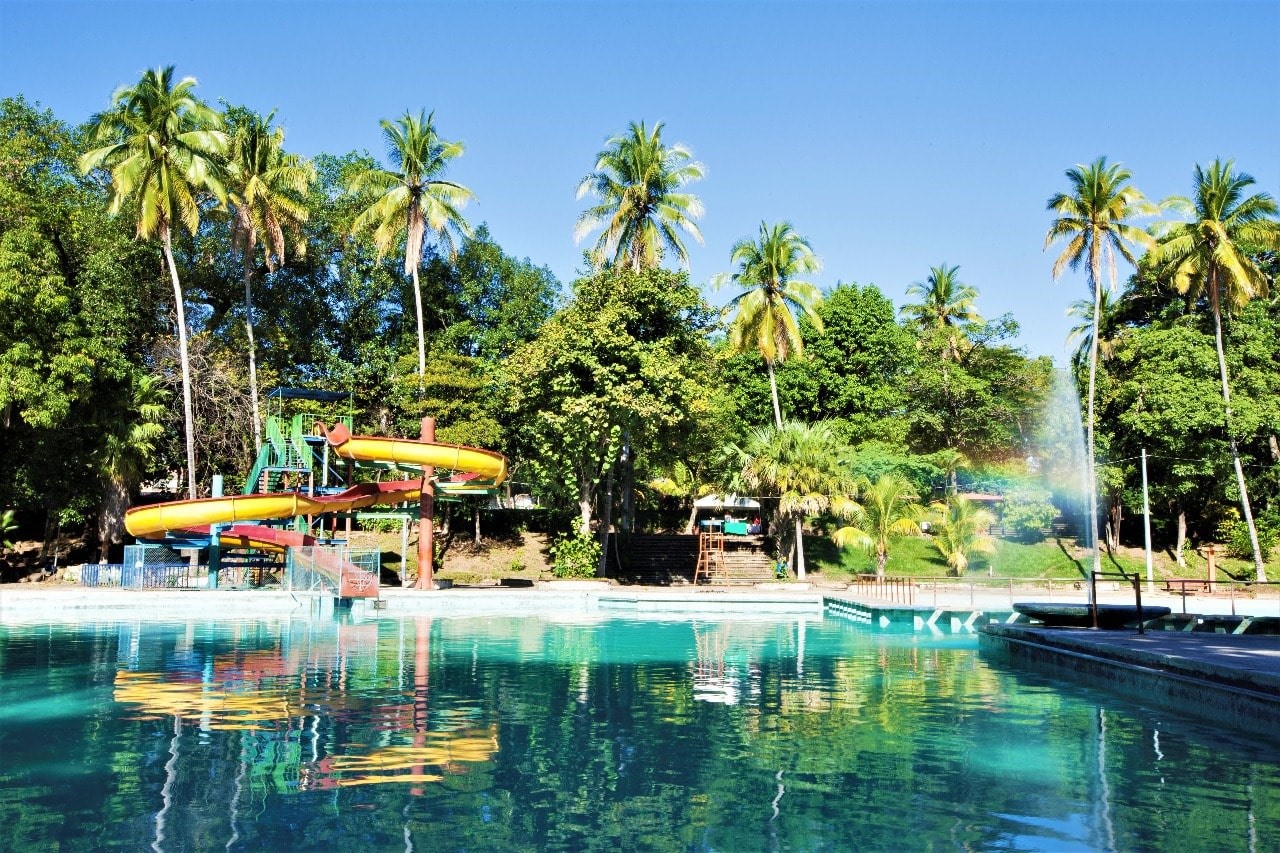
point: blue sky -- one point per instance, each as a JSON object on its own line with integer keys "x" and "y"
{"x": 895, "y": 136}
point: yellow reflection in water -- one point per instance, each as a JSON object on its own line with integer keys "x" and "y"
{"x": 444, "y": 750}
{"x": 243, "y": 708}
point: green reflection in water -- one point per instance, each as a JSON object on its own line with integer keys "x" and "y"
{"x": 533, "y": 733}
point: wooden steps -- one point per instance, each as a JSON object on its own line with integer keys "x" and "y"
{"x": 664, "y": 560}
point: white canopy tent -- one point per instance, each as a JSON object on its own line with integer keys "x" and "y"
{"x": 729, "y": 502}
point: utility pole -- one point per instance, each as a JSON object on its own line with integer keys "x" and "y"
{"x": 426, "y": 513}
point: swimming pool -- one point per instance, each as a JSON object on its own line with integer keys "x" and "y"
{"x": 585, "y": 733}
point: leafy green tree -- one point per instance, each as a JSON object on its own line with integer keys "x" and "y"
{"x": 129, "y": 446}
{"x": 161, "y": 145}
{"x": 627, "y": 358}
{"x": 498, "y": 302}
{"x": 78, "y": 300}
{"x": 637, "y": 180}
{"x": 962, "y": 530}
{"x": 267, "y": 188}
{"x": 413, "y": 200}
{"x": 763, "y": 320}
{"x": 854, "y": 374}
{"x": 979, "y": 404}
{"x": 945, "y": 302}
{"x": 1209, "y": 257}
{"x": 886, "y": 509}
{"x": 804, "y": 466}
{"x": 1094, "y": 220}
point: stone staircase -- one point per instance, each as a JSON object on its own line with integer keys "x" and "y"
{"x": 666, "y": 560}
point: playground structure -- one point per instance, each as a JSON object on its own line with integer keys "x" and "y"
{"x": 301, "y": 485}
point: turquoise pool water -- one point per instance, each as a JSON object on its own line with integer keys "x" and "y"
{"x": 537, "y": 733}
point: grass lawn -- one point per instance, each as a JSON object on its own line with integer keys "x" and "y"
{"x": 916, "y": 556}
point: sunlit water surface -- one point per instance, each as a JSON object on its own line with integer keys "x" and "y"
{"x": 537, "y": 733}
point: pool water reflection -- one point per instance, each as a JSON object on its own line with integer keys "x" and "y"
{"x": 537, "y": 733}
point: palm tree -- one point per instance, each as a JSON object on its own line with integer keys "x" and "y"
{"x": 161, "y": 146}
{"x": 1107, "y": 326}
{"x": 414, "y": 200}
{"x": 950, "y": 461}
{"x": 768, "y": 271}
{"x": 637, "y": 179}
{"x": 962, "y": 530}
{"x": 1093, "y": 218}
{"x": 267, "y": 188}
{"x": 1208, "y": 257}
{"x": 945, "y": 302}
{"x": 125, "y": 453}
{"x": 886, "y": 509}
{"x": 803, "y": 465}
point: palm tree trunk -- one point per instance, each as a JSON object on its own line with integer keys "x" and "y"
{"x": 422, "y": 332}
{"x": 800, "y": 547}
{"x": 188, "y": 411}
{"x": 1231, "y": 437}
{"x": 1093, "y": 373}
{"x": 773, "y": 388}
{"x": 882, "y": 560}
{"x": 248, "y": 327}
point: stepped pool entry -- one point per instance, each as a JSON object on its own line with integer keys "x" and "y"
{"x": 584, "y": 732}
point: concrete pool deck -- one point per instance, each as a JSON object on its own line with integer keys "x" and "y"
{"x": 36, "y": 602}
{"x": 1230, "y": 678}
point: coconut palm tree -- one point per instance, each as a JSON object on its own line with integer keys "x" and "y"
{"x": 803, "y": 465}
{"x": 161, "y": 146}
{"x": 886, "y": 509}
{"x": 125, "y": 453}
{"x": 267, "y": 188}
{"x": 1094, "y": 220}
{"x": 414, "y": 200}
{"x": 768, "y": 273}
{"x": 945, "y": 302}
{"x": 637, "y": 179}
{"x": 1208, "y": 257}
{"x": 962, "y": 531}
{"x": 1107, "y": 327}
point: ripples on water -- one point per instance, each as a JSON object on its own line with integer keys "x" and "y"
{"x": 528, "y": 733}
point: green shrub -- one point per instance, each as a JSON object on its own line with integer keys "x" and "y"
{"x": 575, "y": 557}
{"x": 1235, "y": 534}
{"x": 381, "y": 525}
{"x": 1028, "y": 511}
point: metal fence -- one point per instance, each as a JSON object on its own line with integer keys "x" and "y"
{"x": 318, "y": 568}
{"x": 100, "y": 574}
{"x": 159, "y": 567}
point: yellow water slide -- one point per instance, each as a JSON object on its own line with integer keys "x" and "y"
{"x": 158, "y": 519}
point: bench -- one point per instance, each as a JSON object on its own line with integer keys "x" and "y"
{"x": 1179, "y": 586}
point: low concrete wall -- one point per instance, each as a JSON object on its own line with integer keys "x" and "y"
{"x": 1244, "y": 698}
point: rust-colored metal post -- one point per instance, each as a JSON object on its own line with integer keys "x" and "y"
{"x": 426, "y": 512}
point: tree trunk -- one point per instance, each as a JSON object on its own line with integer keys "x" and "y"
{"x": 476, "y": 511}
{"x": 188, "y": 411}
{"x": 1231, "y": 437}
{"x": 1181, "y": 541}
{"x": 422, "y": 331}
{"x": 799, "y": 547}
{"x": 1095, "y": 271}
{"x": 115, "y": 500}
{"x": 882, "y": 560}
{"x": 248, "y": 327}
{"x": 773, "y": 389}
{"x": 1116, "y": 512}
{"x": 691, "y": 527}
